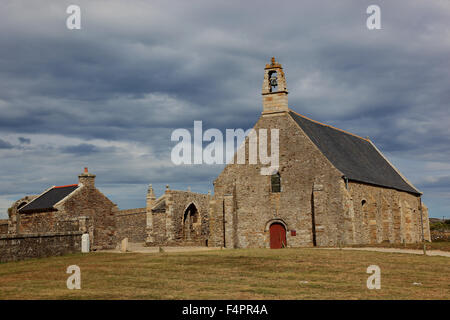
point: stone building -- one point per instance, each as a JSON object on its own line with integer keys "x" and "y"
{"x": 331, "y": 188}
{"x": 77, "y": 207}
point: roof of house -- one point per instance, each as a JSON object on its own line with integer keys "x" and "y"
{"x": 48, "y": 199}
{"x": 357, "y": 158}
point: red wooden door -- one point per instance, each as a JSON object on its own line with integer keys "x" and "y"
{"x": 277, "y": 236}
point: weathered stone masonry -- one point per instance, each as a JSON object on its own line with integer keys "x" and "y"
{"x": 4, "y": 226}
{"x": 19, "y": 247}
{"x": 177, "y": 218}
{"x": 131, "y": 224}
{"x": 250, "y": 206}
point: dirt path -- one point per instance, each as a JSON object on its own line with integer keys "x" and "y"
{"x": 395, "y": 250}
{"x": 140, "y": 248}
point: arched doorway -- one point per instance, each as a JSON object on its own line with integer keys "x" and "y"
{"x": 277, "y": 236}
{"x": 191, "y": 223}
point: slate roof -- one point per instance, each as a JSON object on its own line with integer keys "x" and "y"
{"x": 354, "y": 156}
{"x": 48, "y": 199}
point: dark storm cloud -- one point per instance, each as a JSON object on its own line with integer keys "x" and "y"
{"x": 23, "y": 140}
{"x": 5, "y": 145}
{"x": 84, "y": 149}
{"x": 110, "y": 94}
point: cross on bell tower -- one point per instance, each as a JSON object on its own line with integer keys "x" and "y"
{"x": 274, "y": 89}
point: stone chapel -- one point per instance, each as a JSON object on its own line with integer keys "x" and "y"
{"x": 332, "y": 188}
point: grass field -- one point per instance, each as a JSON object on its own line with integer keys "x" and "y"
{"x": 229, "y": 274}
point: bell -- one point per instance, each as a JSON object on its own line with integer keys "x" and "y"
{"x": 273, "y": 81}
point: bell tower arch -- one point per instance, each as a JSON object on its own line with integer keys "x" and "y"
{"x": 274, "y": 89}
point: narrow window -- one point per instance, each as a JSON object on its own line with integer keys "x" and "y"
{"x": 276, "y": 182}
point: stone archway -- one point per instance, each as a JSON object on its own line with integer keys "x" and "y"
{"x": 191, "y": 223}
{"x": 277, "y": 229}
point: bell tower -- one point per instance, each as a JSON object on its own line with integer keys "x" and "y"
{"x": 274, "y": 90}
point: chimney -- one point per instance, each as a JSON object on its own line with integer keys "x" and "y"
{"x": 87, "y": 179}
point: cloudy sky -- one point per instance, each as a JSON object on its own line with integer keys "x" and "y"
{"x": 109, "y": 95}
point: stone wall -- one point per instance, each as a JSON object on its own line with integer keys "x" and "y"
{"x": 19, "y": 247}
{"x": 4, "y": 226}
{"x": 384, "y": 215}
{"x": 131, "y": 224}
{"x": 50, "y": 221}
{"x": 158, "y": 231}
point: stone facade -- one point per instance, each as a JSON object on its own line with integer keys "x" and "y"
{"x": 376, "y": 215}
{"x": 243, "y": 196}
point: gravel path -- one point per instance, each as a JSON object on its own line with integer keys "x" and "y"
{"x": 395, "y": 250}
{"x": 140, "y": 248}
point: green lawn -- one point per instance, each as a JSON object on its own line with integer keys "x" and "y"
{"x": 229, "y": 274}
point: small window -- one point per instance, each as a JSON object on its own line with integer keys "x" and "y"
{"x": 276, "y": 182}
{"x": 363, "y": 203}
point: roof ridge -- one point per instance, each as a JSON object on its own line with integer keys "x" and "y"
{"x": 395, "y": 168}
{"x": 40, "y": 195}
{"x": 327, "y": 125}
{"x": 66, "y": 186}
{"x": 44, "y": 194}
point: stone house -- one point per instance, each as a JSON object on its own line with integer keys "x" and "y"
{"x": 331, "y": 188}
{"x": 76, "y": 207}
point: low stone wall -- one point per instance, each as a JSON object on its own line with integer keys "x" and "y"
{"x": 38, "y": 245}
{"x": 440, "y": 235}
{"x": 3, "y": 226}
{"x": 132, "y": 224}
